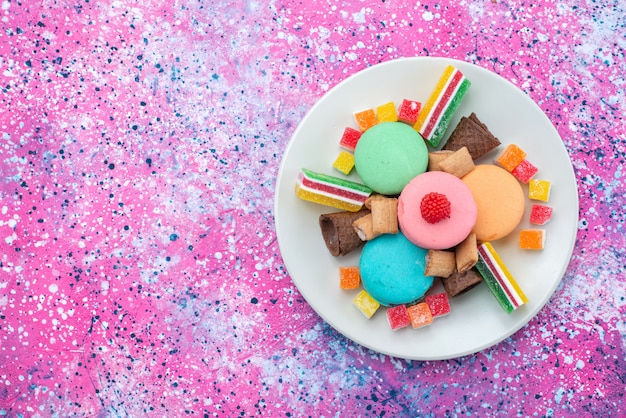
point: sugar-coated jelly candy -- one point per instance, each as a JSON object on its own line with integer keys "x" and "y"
{"x": 525, "y": 171}
{"x": 365, "y": 119}
{"x": 398, "y": 317}
{"x": 366, "y": 304}
{"x": 349, "y": 138}
{"x": 434, "y": 117}
{"x": 511, "y": 157}
{"x": 438, "y": 304}
{"x": 539, "y": 190}
{"x": 532, "y": 239}
{"x": 499, "y": 279}
{"x": 387, "y": 112}
{"x": 540, "y": 214}
{"x": 344, "y": 162}
{"x": 408, "y": 111}
{"x": 331, "y": 191}
{"x": 349, "y": 277}
{"x": 420, "y": 315}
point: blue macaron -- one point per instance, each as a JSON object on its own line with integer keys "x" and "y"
{"x": 392, "y": 270}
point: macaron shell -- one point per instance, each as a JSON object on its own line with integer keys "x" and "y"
{"x": 388, "y": 155}
{"x": 392, "y": 270}
{"x": 448, "y": 232}
{"x": 500, "y": 201}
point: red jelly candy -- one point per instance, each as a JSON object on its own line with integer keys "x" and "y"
{"x": 409, "y": 109}
{"x": 350, "y": 138}
{"x": 398, "y": 317}
{"x": 438, "y": 303}
{"x": 540, "y": 214}
{"x": 524, "y": 171}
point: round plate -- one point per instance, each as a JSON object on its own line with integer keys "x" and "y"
{"x": 476, "y": 320}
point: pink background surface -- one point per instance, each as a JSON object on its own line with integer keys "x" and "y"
{"x": 139, "y": 269}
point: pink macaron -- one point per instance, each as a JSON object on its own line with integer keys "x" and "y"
{"x": 447, "y": 232}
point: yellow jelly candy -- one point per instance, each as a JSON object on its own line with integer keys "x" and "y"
{"x": 387, "y": 113}
{"x": 539, "y": 190}
{"x": 344, "y": 162}
{"x": 366, "y": 304}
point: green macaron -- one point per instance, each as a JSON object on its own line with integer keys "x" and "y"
{"x": 389, "y": 155}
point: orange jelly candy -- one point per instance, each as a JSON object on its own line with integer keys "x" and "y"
{"x": 365, "y": 119}
{"x": 532, "y": 239}
{"x": 511, "y": 157}
{"x": 349, "y": 277}
{"x": 420, "y": 315}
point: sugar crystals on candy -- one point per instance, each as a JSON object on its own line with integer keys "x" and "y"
{"x": 532, "y": 239}
{"x": 511, "y": 157}
{"x": 366, "y": 304}
{"x": 349, "y": 138}
{"x": 331, "y": 191}
{"x": 365, "y": 119}
{"x": 420, "y": 315}
{"x": 524, "y": 171}
{"x": 498, "y": 278}
{"x": 434, "y": 117}
{"x": 540, "y": 214}
{"x": 539, "y": 190}
{"x": 408, "y": 111}
{"x": 398, "y": 317}
{"x": 438, "y": 304}
{"x": 387, "y": 113}
{"x": 344, "y": 162}
{"x": 349, "y": 277}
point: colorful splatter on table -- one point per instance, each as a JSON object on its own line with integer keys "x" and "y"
{"x": 139, "y": 269}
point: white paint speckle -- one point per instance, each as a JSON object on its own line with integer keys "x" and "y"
{"x": 359, "y": 17}
{"x": 9, "y": 240}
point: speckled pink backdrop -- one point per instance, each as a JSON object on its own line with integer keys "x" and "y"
{"x": 139, "y": 269}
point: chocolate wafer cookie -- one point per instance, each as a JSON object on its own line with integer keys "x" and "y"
{"x": 338, "y": 233}
{"x": 470, "y": 132}
{"x": 458, "y": 283}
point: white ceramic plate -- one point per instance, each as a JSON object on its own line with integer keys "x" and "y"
{"x": 476, "y": 321}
